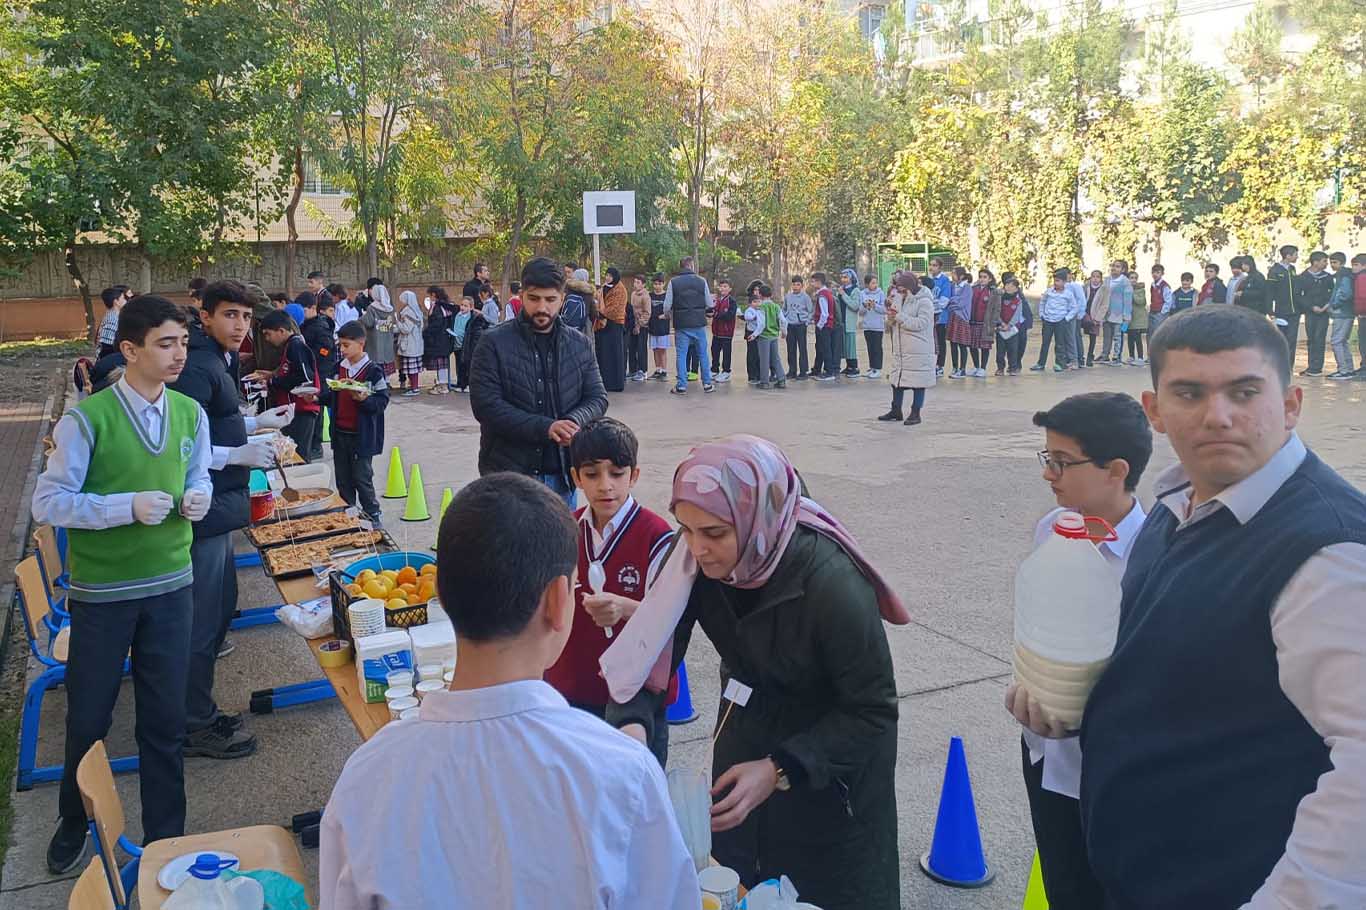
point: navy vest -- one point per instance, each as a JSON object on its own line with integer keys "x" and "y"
{"x": 1194, "y": 760}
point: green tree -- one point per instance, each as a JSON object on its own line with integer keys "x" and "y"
{"x": 1255, "y": 50}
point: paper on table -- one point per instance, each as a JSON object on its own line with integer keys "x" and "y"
{"x": 626, "y": 664}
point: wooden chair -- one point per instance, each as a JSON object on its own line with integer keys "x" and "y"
{"x": 32, "y": 592}
{"x": 91, "y": 891}
{"x": 50, "y": 558}
{"x": 256, "y": 847}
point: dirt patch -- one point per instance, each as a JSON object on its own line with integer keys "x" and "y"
{"x": 29, "y": 369}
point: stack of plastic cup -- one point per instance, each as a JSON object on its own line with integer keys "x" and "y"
{"x": 366, "y": 617}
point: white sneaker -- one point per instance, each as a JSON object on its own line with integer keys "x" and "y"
{"x": 957, "y": 374}
{"x": 873, "y": 374}
{"x": 980, "y": 373}
{"x": 938, "y": 371}
{"x": 722, "y": 377}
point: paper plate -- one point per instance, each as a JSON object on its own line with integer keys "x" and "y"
{"x": 174, "y": 873}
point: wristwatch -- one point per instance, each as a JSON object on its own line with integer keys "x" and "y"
{"x": 783, "y": 783}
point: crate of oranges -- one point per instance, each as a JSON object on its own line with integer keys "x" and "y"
{"x": 404, "y": 581}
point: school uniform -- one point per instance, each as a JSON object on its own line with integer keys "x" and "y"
{"x": 658, "y": 326}
{"x": 298, "y": 367}
{"x": 631, "y": 548}
{"x": 130, "y": 583}
{"x": 358, "y": 433}
{"x": 723, "y": 332}
{"x": 1223, "y": 748}
{"x": 1052, "y": 767}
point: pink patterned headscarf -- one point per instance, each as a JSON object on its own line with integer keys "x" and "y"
{"x": 749, "y": 483}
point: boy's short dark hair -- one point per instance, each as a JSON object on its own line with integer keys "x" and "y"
{"x": 604, "y": 439}
{"x": 1187, "y": 276}
{"x": 1359, "y": 259}
{"x": 337, "y": 290}
{"x": 280, "y": 297}
{"x": 325, "y": 303}
{"x": 937, "y": 261}
{"x": 306, "y": 299}
{"x": 1107, "y": 425}
{"x": 142, "y": 314}
{"x": 197, "y": 286}
{"x": 276, "y": 320}
{"x": 225, "y": 291}
{"x": 465, "y": 297}
{"x": 109, "y": 295}
{"x": 1337, "y": 257}
{"x": 514, "y": 286}
{"x": 765, "y": 291}
{"x": 818, "y": 277}
{"x": 543, "y": 272}
{"x": 486, "y": 289}
{"x": 1211, "y": 329}
{"x": 657, "y": 276}
{"x": 1317, "y": 255}
{"x": 1289, "y": 250}
{"x": 501, "y": 543}
{"x": 797, "y": 279}
{"x": 1009, "y": 278}
{"x": 372, "y": 281}
{"x": 1159, "y": 267}
{"x": 315, "y": 274}
{"x": 353, "y": 330}
{"x": 1061, "y": 274}
{"x": 721, "y": 281}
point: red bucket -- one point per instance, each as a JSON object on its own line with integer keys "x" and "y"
{"x": 262, "y": 505}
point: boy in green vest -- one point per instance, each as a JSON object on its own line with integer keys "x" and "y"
{"x": 130, "y": 472}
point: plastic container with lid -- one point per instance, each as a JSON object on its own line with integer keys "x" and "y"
{"x": 428, "y": 686}
{"x": 1066, "y": 618}
{"x": 399, "y": 705}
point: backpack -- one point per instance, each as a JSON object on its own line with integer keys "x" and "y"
{"x": 575, "y": 311}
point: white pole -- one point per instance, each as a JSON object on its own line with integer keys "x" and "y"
{"x": 597, "y": 263}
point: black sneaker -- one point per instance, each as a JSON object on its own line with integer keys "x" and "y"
{"x": 67, "y": 847}
{"x": 709, "y": 388}
{"x": 1311, "y": 372}
{"x": 219, "y": 740}
{"x": 231, "y": 722}
{"x": 677, "y": 391}
{"x": 226, "y": 648}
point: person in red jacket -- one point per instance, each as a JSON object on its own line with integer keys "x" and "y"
{"x": 296, "y": 381}
{"x": 722, "y": 330}
{"x": 629, "y": 542}
{"x": 1359, "y": 306}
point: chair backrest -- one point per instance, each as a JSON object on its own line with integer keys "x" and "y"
{"x": 45, "y": 539}
{"x": 28, "y": 579}
{"x": 96, "y": 783}
{"x": 92, "y": 889}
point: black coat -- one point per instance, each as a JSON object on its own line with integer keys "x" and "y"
{"x": 369, "y": 413}
{"x": 436, "y": 341}
{"x": 320, "y": 332}
{"x": 1312, "y": 291}
{"x": 512, "y": 405}
{"x": 1280, "y": 283}
{"x": 1252, "y": 293}
{"x": 813, "y": 648}
{"x": 211, "y": 380}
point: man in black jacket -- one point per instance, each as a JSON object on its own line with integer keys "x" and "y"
{"x": 533, "y": 383}
{"x": 481, "y": 278}
{"x": 688, "y": 299}
{"x": 1280, "y": 283}
{"x": 210, "y": 378}
{"x": 1313, "y": 295}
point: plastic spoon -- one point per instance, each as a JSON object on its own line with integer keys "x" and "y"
{"x": 289, "y": 493}
{"x": 597, "y": 580}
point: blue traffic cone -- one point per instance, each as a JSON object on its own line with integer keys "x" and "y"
{"x": 681, "y": 712}
{"x": 955, "y": 857}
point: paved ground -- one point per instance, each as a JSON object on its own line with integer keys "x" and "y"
{"x": 946, "y": 508}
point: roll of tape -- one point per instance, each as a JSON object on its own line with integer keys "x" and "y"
{"x": 334, "y": 654}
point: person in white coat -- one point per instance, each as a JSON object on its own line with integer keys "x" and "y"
{"x": 411, "y": 319}
{"x": 910, "y": 331}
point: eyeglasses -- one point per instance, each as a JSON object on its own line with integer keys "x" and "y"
{"x": 1051, "y": 463}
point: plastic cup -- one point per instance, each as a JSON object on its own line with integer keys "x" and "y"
{"x": 399, "y": 678}
{"x": 721, "y": 883}
{"x": 427, "y": 687}
{"x": 394, "y": 693}
{"x": 410, "y": 714}
{"x": 428, "y": 672}
{"x": 398, "y": 706}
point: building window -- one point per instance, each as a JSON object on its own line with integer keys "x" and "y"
{"x": 870, "y": 19}
{"x": 316, "y": 184}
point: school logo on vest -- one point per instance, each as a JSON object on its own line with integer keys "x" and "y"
{"x": 186, "y": 448}
{"x": 629, "y": 579}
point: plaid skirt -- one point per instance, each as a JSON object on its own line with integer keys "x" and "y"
{"x": 437, "y": 361}
{"x": 410, "y": 366}
{"x": 981, "y": 337}
{"x": 960, "y": 332}
{"x": 389, "y": 368}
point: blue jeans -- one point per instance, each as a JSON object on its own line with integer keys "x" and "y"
{"x": 695, "y": 340}
{"x": 557, "y": 485}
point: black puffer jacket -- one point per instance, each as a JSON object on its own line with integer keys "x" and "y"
{"x": 513, "y": 407}
{"x": 211, "y": 380}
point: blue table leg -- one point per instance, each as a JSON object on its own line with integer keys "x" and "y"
{"x": 254, "y": 616}
{"x": 247, "y": 560}
{"x": 265, "y": 701}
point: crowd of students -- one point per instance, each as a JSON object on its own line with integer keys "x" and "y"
{"x": 1261, "y": 777}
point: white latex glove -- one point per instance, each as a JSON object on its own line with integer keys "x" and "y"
{"x": 194, "y": 505}
{"x": 276, "y": 418}
{"x": 152, "y": 507}
{"x": 257, "y": 453}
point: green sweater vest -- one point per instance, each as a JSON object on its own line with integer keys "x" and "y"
{"x": 132, "y": 561}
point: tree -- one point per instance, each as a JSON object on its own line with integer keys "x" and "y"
{"x": 1255, "y": 50}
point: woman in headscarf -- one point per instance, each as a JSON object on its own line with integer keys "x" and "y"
{"x": 610, "y": 332}
{"x": 378, "y": 319}
{"x": 804, "y": 766}
{"x": 910, "y": 330}
{"x": 850, "y": 297}
{"x": 408, "y": 344}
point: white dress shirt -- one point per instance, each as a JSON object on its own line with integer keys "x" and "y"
{"x": 345, "y": 313}
{"x": 1318, "y": 624}
{"x": 1062, "y": 768}
{"x": 57, "y": 496}
{"x": 1078, "y": 299}
{"x": 503, "y": 798}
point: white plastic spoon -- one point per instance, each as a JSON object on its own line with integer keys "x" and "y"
{"x": 597, "y": 580}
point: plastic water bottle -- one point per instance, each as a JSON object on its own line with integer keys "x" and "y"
{"x": 1066, "y": 619}
{"x": 206, "y": 889}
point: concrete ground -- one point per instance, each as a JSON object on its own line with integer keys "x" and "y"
{"x": 946, "y": 508}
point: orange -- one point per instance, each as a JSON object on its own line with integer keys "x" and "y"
{"x": 407, "y": 588}
{"x": 428, "y": 569}
{"x": 391, "y": 574}
{"x": 414, "y": 600}
{"x": 396, "y": 603}
{"x": 355, "y": 590}
{"x": 375, "y": 588}
{"x": 407, "y": 575}
{"x": 364, "y": 576}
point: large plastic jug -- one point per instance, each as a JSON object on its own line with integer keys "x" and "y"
{"x": 206, "y": 889}
{"x": 1066, "y": 619}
